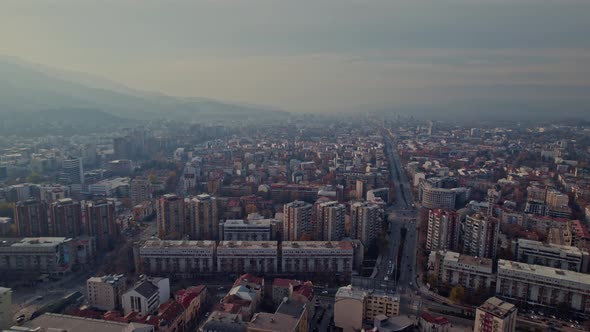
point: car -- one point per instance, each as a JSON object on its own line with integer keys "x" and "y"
{"x": 20, "y": 319}
{"x": 39, "y": 298}
{"x": 221, "y": 288}
{"x": 325, "y": 292}
{"x": 207, "y": 315}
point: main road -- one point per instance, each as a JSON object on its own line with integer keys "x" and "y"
{"x": 402, "y": 218}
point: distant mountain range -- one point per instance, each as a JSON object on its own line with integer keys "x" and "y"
{"x": 37, "y": 89}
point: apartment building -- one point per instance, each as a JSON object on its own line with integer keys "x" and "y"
{"x": 542, "y": 285}
{"x": 480, "y": 235}
{"x": 495, "y": 315}
{"x": 5, "y": 307}
{"x": 317, "y": 257}
{"x": 52, "y": 255}
{"x": 204, "y": 220}
{"x": 453, "y": 268}
{"x": 181, "y": 258}
{"x": 66, "y": 218}
{"x": 104, "y": 293}
{"x": 100, "y": 220}
{"x": 146, "y": 296}
{"x": 31, "y": 218}
{"x": 170, "y": 217}
{"x": 366, "y": 222}
{"x": 329, "y": 221}
{"x": 249, "y": 229}
{"x": 297, "y": 220}
{"x": 355, "y": 305}
{"x": 443, "y": 230}
{"x": 552, "y": 255}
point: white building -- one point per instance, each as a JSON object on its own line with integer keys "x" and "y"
{"x": 145, "y": 297}
{"x": 184, "y": 258}
{"x": 552, "y": 255}
{"x": 543, "y": 286}
{"x": 355, "y": 305}
{"x": 495, "y": 315}
{"x": 317, "y": 257}
{"x": 73, "y": 170}
{"x": 242, "y": 256}
{"x": 54, "y": 255}
{"x": 104, "y": 293}
{"x": 452, "y": 268}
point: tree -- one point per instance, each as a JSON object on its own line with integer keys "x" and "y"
{"x": 457, "y": 294}
{"x": 34, "y": 178}
{"x": 7, "y": 210}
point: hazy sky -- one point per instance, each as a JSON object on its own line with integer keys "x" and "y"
{"x": 314, "y": 54}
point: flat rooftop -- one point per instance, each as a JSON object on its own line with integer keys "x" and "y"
{"x": 248, "y": 245}
{"x": 178, "y": 244}
{"x": 497, "y": 307}
{"x": 55, "y": 322}
{"x": 343, "y": 245}
{"x": 466, "y": 259}
{"x": 524, "y": 243}
{"x": 544, "y": 271}
{"x": 32, "y": 242}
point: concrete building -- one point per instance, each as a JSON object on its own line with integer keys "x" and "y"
{"x": 51, "y": 255}
{"x": 31, "y": 218}
{"x": 355, "y": 305}
{"x": 241, "y": 256}
{"x": 366, "y": 222}
{"x": 5, "y": 307}
{"x": 146, "y": 296}
{"x": 552, "y": 255}
{"x": 297, "y": 220}
{"x": 480, "y": 235}
{"x": 452, "y": 268}
{"x": 290, "y": 316}
{"x": 443, "y": 230}
{"x": 428, "y": 323}
{"x": 382, "y": 193}
{"x": 66, "y": 218}
{"x": 434, "y": 195}
{"x": 249, "y": 229}
{"x": 100, "y": 220}
{"x": 170, "y": 217}
{"x": 181, "y": 258}
{"x": 330, "y": 221}
{"x": 543, "y": 286}
{"x": 74, "y": 170}
{"x": 204, "y": 220}
{"x": 495, "y": 315}
{"x": 56, "y": 322}
{"x": 140, "y": 190}
{"x": 104, "y": 293}
{"x": 317, "y": 257}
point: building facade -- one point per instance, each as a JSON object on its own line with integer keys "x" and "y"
{"x": 443, "y": 230}
{"x": 366, "y": 222}
{"x": 170, "y": 217}
{"x": 204, "y": 222}
{"x": 51, "y": 255}
{"x": 241, "y": 256}
{"x": 182, "y": 258}
{"x": 480, "y": 235}
{"x": 31, "y": 218}
{"x": 297, "y": 220}
{"x": 451, "y": 268}
{"x": 552, "y": 255}
{"x": 543, "y": 286}
{"x": 495, "y": 315}
{"x": 317, "y": 257}
{"x": 330, "y": 221}
{"x": 100, "y": 220}
{"x": 104, "y": 293}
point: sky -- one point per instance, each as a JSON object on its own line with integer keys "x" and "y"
{"x": 315, "y": 55}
